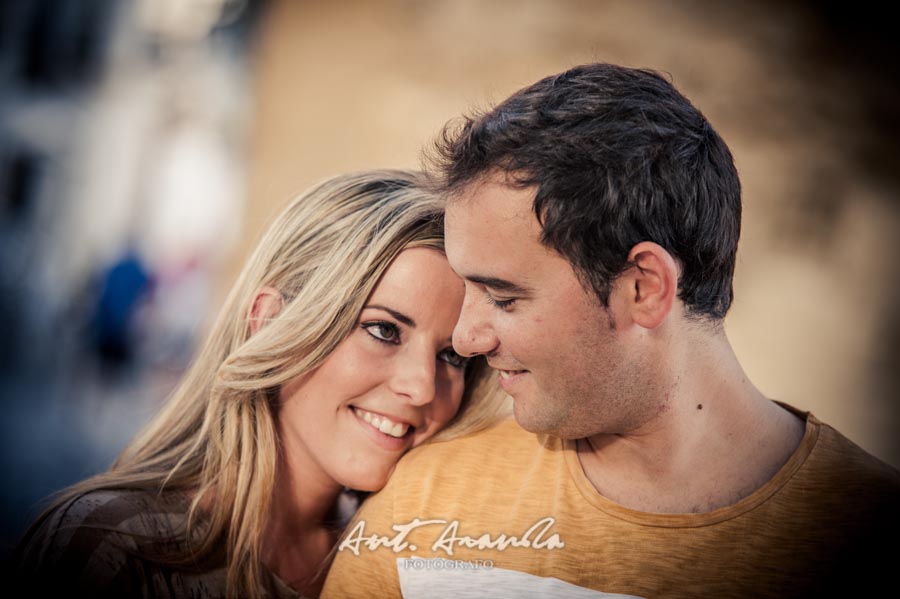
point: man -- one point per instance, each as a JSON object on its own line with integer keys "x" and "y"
{"x": 595, "y": 217}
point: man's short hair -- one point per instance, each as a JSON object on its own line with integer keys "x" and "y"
{"x": 618, "y": 156}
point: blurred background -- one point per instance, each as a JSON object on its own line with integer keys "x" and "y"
{"x": 145, "y": 144}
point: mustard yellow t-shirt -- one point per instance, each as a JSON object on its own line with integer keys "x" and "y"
{"x": 507, "y": 513}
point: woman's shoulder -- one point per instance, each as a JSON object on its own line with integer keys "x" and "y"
{"x": 109, "y": 513}
{"x": 113, "y": 508}
{"x": 92, "y": 540}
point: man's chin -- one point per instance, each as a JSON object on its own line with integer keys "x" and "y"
{"x": 533, "y": 423}
{"x": 544, "y": 424}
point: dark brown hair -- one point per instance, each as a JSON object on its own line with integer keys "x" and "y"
{"x": 617, "y": 156}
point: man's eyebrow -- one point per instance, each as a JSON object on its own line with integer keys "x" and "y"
{"x": 398, "y": 315}
{"x": 499, "y": 284}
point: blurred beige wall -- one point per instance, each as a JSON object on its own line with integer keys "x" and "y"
{"x": 361, "y": 84}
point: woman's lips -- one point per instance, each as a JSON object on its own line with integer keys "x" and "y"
{"x": 390, "y": 434}
{"x": 383, "y": 423}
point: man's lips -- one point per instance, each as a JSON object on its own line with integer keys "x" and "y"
{"x": 509, "y": 379}
{"x": 506, "y": 374}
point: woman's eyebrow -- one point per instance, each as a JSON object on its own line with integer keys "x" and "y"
{"x": 398, "y": 315}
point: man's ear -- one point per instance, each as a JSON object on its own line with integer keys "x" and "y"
{"x": 266, "y": 305}
{"x": 653, "y": 284}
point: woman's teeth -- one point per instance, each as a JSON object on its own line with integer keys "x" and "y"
{"x": 383, "y": 423}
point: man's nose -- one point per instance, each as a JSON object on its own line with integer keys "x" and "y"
{"x": 474, "y": 333}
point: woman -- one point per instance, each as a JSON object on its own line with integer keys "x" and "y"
{"x": 329, "y": 360}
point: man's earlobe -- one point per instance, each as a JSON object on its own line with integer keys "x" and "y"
{"x": 655, "y": 276}
{"x": 266, "y": 305}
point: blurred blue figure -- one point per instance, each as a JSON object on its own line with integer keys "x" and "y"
{"x": 123, "y": 287}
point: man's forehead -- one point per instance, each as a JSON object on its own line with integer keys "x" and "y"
{"x": 494, "y": 198}
{"x": 492, "y": 235}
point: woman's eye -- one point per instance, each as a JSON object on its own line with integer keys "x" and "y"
{"x": 452, "y": 358}
{"x": 386, "y": 332}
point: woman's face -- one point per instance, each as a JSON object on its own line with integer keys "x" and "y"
{"x": 391, "y": 384}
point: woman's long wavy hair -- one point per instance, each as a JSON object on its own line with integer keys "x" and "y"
{"x": 215, "y": 439}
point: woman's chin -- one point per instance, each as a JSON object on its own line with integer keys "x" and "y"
{"x": 370, "y": 481}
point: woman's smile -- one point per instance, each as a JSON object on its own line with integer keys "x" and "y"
{"x": 390, "y": 385}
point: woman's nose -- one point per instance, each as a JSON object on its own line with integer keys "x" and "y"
{"x": 414, "y": 376}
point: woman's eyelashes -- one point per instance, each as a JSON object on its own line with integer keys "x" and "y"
{"x": 452, "y": 358}
{"x": 383, "y": 331}
{"x": 389, "y": 333}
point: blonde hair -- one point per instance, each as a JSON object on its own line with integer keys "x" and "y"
{"x": 216, "y": 437}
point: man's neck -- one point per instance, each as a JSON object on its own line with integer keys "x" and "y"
{"x": 718, "y": 440}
